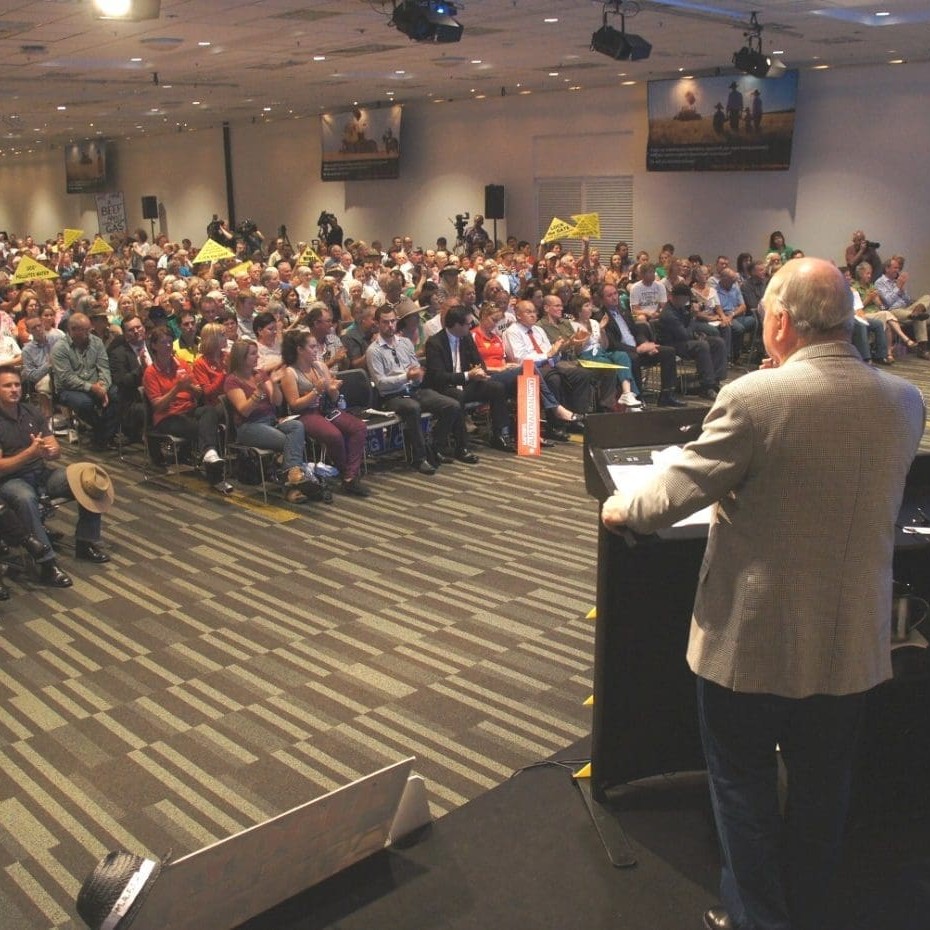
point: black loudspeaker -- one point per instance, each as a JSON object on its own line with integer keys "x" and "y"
{"x": 150, "y": 208}
{"x": 494, "y": 201}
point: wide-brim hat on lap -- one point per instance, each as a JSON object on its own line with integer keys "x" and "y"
{"x": 91, "y": 486}
{"x": 113, "y": 894}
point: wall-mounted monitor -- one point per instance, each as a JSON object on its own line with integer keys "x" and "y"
{"x": 86, "y": 166}
{"x": 361, "y": 144}
{"x": 727, "y": 123}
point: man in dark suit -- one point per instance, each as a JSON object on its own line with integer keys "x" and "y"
{"x": 677, "y": 327}
{"x": 128, "y": 357}
{"x": 626, "y": 336}
{"x": 455, "y": 367}
{"x": 791, "y": 625}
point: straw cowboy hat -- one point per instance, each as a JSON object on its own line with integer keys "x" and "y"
{"x": 91, "y": 486}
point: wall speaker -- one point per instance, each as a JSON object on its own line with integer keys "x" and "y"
{"x": 494, "y": 202}
{"x": 150, "y": 208}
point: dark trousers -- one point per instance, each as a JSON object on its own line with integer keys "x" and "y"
{"x": 710, "y": 358}
{"x": 199, "y": 427}
{"x": 104, "y": 420}
{"x": 571, "y": 384}
{"x": 664, "y": 358}
{"x": 489, "y": 392}
{"x": 777, "y": 872}
{"x": 447, "y": 419}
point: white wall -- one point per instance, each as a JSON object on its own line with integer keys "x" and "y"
{"x": 858, "y": 160}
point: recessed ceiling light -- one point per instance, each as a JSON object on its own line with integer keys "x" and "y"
{"x": 524, "y": 92}
{"x": 400, "y": 72}
{"x": 553, "y": 74}
{"x": 628, "y": 83}
{"x": 820, "y": 67}
{"x": 551, "y": 19}
{"x": 266, "y": 109}
{"x": 135, "y": 60}
{"x": 319, "y": 58}
{"x": 204, "y": 44}
{"x": 883, "y": 13}
{"x": 195, "y": 103}
{"x": 896, "y": 61}
{"x": 779, "y": 51}
{"x": 62, "y": 107}
{"x": 476, "y": 61}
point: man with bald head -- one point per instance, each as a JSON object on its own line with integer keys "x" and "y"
{"x": 81, "y": 371}
{"x": 791, "y": 622}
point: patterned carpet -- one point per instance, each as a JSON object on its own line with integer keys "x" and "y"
{"x": 234, "y": 660}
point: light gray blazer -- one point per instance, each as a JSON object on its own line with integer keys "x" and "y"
{"x": 807, "y": 464}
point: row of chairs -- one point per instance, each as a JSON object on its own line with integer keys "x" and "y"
{"x": 356, "y": 388}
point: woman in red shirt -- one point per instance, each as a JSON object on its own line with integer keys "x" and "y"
{"x": 175, "y": 397}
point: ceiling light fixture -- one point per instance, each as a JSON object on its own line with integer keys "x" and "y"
{"x": 749, "y": 59}
{"x": 621, "y": 45}
{"x": 427, "y": 20}
{"x": 131, "y": 10}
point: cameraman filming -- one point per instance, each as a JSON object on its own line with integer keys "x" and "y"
{"x": 862, "y": 250}
{"x": 330, "y": 230}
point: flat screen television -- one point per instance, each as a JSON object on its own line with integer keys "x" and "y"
{"x": 734, "y": 122}
{"x": 361, "y": 144}
{"x": 86, "y": 166}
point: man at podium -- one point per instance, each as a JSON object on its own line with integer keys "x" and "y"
{"x": 805, "y": 462}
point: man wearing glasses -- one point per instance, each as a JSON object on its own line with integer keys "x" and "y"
{"x": 398, "y": 377}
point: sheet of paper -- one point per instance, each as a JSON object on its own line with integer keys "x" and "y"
{"x": 633, "y": 477}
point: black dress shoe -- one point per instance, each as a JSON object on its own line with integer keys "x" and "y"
{"x": 466, "y": 457}
{"x": 441, "y": 458}
{"x": 546, "y": 443}
{"x": 502, "y": 444}
{"x": 90, "y": 552}
{"x": 557, "y": 433}
{"x": 35, "y": 547}
{"x": 355, "y": 487}
{"x": 717, "y": 919}
{"x": 666, "y": 400}
{"x": 52, "y": 575}
{"x": 424, "y": 468}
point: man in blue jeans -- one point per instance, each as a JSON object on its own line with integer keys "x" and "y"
{"x": 81, "y": 370}
{"x": 792, "y": 617}
{"x": 27, "y": 447}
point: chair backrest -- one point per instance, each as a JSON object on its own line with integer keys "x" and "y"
{"x": 356, "y": 388}
{"x": 228, "y": 419}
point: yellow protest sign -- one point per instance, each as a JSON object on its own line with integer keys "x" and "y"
{"x": 100, "y": 247}
{"x": 559, "y": 229}
{"x": 308, "y": 257}
{"x": 242, "y": 268}
{"x": 588, "y": 224}
{"x": 213, "y": 252}
{"x": 70, "y": 237}
{"x": 29, "y": 269}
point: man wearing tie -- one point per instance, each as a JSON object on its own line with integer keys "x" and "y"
{"x": 524, "y": 339}
{"x": 454, "y": 367}
{"x": 129, "y": 357}
{"x": 642, "y": 350}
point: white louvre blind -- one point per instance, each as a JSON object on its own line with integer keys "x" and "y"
{"x": 611, "y": 198}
